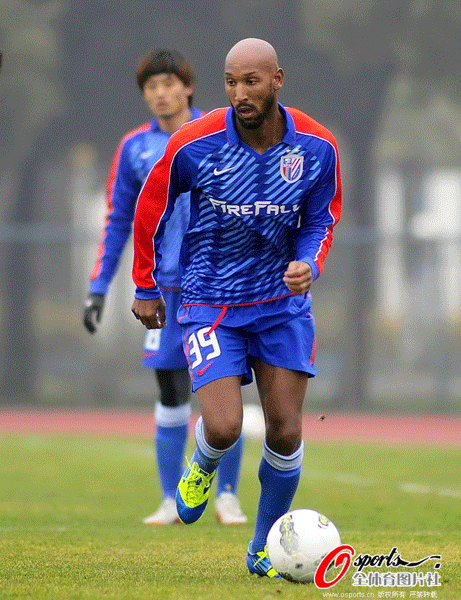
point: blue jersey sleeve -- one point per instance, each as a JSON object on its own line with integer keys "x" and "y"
{"x": 121, "y": 194}
{"x": 320, "y": 213}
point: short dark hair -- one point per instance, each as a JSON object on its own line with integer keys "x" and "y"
{"x": 165, "y": 61}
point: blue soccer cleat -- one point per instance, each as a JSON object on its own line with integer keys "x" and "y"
{"x": 193, "y": 492}
{"x": 258, "y": 563}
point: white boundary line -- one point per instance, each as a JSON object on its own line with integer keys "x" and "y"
{"x": 412, "y": 488}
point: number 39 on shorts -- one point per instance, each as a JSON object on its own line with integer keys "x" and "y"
{"x": 200, "y": 342}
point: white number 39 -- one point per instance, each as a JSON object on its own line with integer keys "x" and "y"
{"x": 203, "y": 339}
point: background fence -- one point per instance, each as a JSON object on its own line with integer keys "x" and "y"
{"x": 412, "y": 326}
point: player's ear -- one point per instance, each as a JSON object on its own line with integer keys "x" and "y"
{"x": 189, "y": 90}
{"x": 278, "y": 78}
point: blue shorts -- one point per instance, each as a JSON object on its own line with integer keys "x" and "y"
{"x": 219, "y": 342}
{"x": 163, "y": 348}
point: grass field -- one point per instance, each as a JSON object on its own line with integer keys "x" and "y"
{"x": 71, "y": 510}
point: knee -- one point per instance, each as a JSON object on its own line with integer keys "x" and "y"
{"x": 223, "y": 434}
{"x": 284, "y": 436}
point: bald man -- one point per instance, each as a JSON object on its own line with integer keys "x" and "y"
{"x": 265, "y": 196}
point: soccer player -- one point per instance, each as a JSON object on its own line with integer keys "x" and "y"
{"x": 265, "y": 196}
{"x": 166, "y": 81}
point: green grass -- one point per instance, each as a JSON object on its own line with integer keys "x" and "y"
{"x": 71, "y": 510}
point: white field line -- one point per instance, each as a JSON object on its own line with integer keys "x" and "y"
{"x": 412, "y": 488}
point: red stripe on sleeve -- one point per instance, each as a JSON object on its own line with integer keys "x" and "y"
{"x": 307, "y": 125}
{"x": 154, "y": 196}
{"x": 151, "y": 207}
{"x": 334, "y": 209}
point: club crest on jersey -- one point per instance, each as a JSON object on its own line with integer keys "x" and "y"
{"x": 291, "y": 167}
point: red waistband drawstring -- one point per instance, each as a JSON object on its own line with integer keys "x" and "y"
{"x": 218, "y": 320}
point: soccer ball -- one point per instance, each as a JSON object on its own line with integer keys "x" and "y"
{"x": 298, "y": 541}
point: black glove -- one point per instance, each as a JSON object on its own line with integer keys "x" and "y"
{"x": 93, "y": 310}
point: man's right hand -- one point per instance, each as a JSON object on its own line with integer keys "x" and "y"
{"x": 93, "y": 311}
{"x": 151, "y": 313}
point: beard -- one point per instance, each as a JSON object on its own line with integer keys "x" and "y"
{"x": 258, "y": 119}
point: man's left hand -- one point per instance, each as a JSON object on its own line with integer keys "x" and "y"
{"x": 298, "y": 277}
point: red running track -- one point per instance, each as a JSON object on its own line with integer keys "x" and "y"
{"x": 392, "y": 429}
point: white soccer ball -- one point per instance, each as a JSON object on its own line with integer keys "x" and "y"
{"x": 298, "y": 541}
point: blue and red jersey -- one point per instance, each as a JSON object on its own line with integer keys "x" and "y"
{"x": 138, "y": 151}
{"x": 250, "y": 214}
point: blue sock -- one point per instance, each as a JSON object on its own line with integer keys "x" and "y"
{"x": 229, "y": 469}
{"x": 170, "y": 443}
{"x": 279, "y": 477}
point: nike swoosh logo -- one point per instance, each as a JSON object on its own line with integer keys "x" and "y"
{"x": 202, "y": 371}
{"x": 217, "y": 172}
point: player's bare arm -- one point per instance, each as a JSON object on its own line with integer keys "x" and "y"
{"x": 298, "y": 277}
{"x": 151, "y": 313}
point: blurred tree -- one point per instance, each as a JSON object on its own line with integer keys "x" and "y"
{"x": 366, "y": 45}
{"x": 30, "y": 98}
